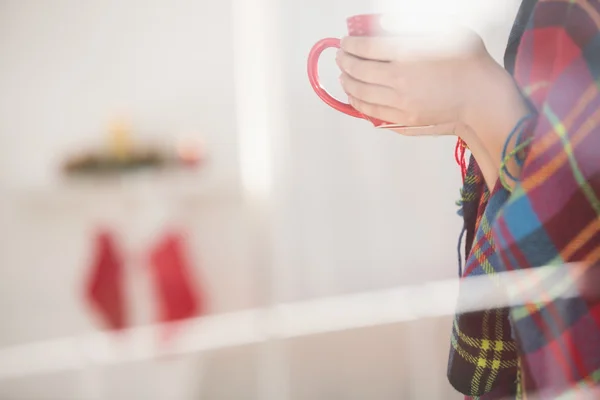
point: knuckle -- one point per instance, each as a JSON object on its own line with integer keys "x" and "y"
{"x": 360, "y": 71}
{"x": 351, "y": 66}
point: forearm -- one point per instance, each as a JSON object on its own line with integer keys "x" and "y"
{"x": 489, "y": 169}
{"x": 494, "y": 108}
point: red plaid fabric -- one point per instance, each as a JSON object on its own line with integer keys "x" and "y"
{"x": 549, "y": 348}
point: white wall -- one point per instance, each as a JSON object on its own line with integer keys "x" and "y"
{"x": 357, "y": 209}
{"x": 70, "y": 67}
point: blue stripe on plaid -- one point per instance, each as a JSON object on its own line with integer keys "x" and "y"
{"x": 524, "y": 220}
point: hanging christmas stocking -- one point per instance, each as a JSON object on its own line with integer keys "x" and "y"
{"x": 104, "y": 288}
{"x": 176, "y": 289}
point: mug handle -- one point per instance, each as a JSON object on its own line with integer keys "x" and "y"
{"x": 313, "y": 77}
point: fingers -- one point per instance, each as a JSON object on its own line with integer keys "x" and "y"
{"x": 375, "y": 72}
{"x": 368, "y": 93}
{"x": 384, "y": 113}
{"x": 411, "y": 125}
{"x": 420, "y": 46}
{"x": 371, "y": 48}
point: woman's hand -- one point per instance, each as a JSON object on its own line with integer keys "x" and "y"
{"x": 461, "y": 91}
{"x": 386, "y": 78}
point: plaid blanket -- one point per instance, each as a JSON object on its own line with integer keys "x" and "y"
{"x": 548, "y": 347}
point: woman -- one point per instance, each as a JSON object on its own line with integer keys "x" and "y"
{"x": 531, "y": 194}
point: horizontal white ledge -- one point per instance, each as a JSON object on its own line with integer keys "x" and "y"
{"x": 283, "y": 321}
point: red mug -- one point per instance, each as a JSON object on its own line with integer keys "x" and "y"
{"x": 358, "y": 25}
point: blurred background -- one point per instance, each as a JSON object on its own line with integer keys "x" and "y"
{"x": 194, "y": 118}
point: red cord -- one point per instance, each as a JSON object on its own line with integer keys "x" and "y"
{"x": 459, "y": 156}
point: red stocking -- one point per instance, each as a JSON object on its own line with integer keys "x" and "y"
{"x": 104, "y": 289}
{"x": 176, "y": 290}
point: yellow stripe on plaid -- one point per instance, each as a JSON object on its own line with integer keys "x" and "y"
{"x": 520, "y": 382}
{"x": 590, "y": 11}
{"x": 478, "y": 254}
{"x": 550, "y": 168}
{"x": 531, "y": 279}
{"x": 536, "y": 178}
{"x": 479, "y": 343}
{"x": 471, "y": 179}
{"x": 486, "y": 196}
{"x": 529, "y": 91}
{"x": 467, "y": 197}
{"x": 561, "y": 131}
{"x": 482, "y": 361}
{"x": 485, "y": 264}
{"x": 545, "y": 141}
{"x": 475, "y": 361}
{"x": 497, "y": 354}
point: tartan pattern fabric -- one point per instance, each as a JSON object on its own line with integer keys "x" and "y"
{"x": 483, "y": 355}
{"x": 551, "y": 218}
